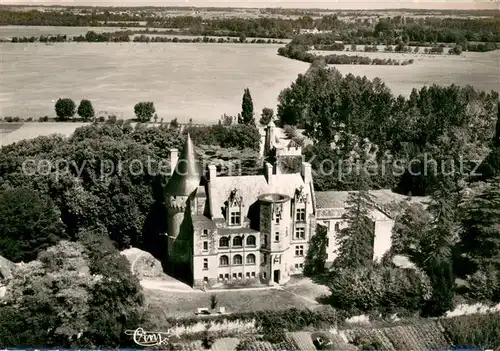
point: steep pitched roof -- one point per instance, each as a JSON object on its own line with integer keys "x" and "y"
{"x": 250, "y": 187}
{"x": 187, "y": 174}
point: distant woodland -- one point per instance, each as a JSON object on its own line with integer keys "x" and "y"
{"x": 371, "y": 31}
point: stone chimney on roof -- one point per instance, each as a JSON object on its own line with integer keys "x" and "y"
{"x": 306, "y": 172}
{"x": 268, "y": 169}
{"x": 174, "y": 158}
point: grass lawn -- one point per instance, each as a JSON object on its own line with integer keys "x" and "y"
{"x": 306, "y": 288}
{"x": 166, "y": 304}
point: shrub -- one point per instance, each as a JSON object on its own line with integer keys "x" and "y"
{"x": 380, "y": 289}
{"x": 8, "y": 119}
{"x": 477, "y": 330}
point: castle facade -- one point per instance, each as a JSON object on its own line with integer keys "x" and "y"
{"x": 257, "y": 227}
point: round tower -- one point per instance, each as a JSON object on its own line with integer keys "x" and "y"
{"x": 275, "y": 237}
{"x": 184, "y": 180}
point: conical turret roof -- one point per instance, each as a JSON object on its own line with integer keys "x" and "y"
{"x": 187, "y": 174}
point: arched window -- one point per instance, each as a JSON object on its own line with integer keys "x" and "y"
{"x": 237, "y": 241}
{"x": 224, "y": 260}
{"x": 224, "y": 242}
{"x": 250, "y": 259}
{"x": 251, "y": 240}
{"x": 237, "y": 259}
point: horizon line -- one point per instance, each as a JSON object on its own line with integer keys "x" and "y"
{"x": 484, "y": 5}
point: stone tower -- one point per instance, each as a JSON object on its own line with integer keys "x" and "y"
{"x": 183, "y": 182}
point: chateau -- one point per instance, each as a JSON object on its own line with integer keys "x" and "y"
{"x": 232, "y": 228}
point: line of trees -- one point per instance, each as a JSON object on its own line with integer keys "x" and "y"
{"x": 125, "y": 36}
{"x": 385, "y": 31}
{"x": 300, "y": 53}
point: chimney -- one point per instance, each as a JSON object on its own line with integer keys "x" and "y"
{"x": 277, "y": 166}
{"x": 268, "y": 172}
{"x": 174, "y": 158}
{"x": 306, "y": 172}
{"x": 212, "y": 172}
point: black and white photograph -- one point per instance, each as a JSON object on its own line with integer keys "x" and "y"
{"x": 250, "y": 175}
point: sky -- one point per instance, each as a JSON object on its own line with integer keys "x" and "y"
{"x": 338, "y": 4}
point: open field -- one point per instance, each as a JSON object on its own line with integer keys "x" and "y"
{"x": 478, "y": 69}
{"x": 198, "y": 81}
{"x": 36, "y": 31}
{"x": 14, "y": 132}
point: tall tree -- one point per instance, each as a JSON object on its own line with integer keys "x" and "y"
{"x": 29, "y": 223}
{"x": 497, "y": 132}
{"x": 144, "y": 111}
{"x": 355, "y": 242}
{"x": 266, "y": 116}
{"x": 316, "y": 254}
{"x": 85, "y": 109}
{"x": 480, "y": 236}
{"x": 247, "y": 115}
{"x": 65, "y": 109}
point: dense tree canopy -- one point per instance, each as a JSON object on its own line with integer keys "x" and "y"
{"x": 29, "y": 223}
{"x": 65, "y": 108}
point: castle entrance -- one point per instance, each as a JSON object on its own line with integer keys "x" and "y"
{"x": 277, "y": 276}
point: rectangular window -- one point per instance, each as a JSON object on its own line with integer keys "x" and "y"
{"x": 234, "y": 275}
{"x": 327, "y": 242}
{"x": 205, "y": 231}
{"x": 205, "y": 279}
{"x": 337, "y": 227}
{"x": 277, "y": 236}
{"x": 253, "y": 274}
{"x": 265, "y": 239}
{"x": 296, "y": 266}
{"x": 248, "y": 274}
{"x": 264, "y": 258}
{"x": 240, "y": 275}
{"x": 265, "y": 275}
{"x": 277, "y": 220}
{"x": 221, "y": 276}
{"x": 226, "y": 276}
{"x": 300, "y": 233}
{"x": 300, "y": 215}
{"x": 301, "y": 265}
{"x": 205, "y": 263}
{"x": 205, "y": 246}
{"x": 235, "y": 218}
{"x": 299, "y": 250}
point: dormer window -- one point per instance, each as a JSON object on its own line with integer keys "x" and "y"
{"x": 235, "y": 218}
{"x": 300, "y": 215}
{"x": 234, "y": 208}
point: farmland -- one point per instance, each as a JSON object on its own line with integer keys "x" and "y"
{"x": 198, "y": 81}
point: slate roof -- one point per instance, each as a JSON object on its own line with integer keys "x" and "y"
{"x": 337, "y": 199}
{"x": 250, "y": 187}
{"x": 187, "y": 174}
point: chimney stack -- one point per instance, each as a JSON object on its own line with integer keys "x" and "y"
{"x": 212, "y": 172}
{"x": 174, "y": 158}
{"x": 306, "y": 172}
{"x": 268, "y": 172}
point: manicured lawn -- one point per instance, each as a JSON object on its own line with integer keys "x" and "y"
{"x": 167, "y": 304}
